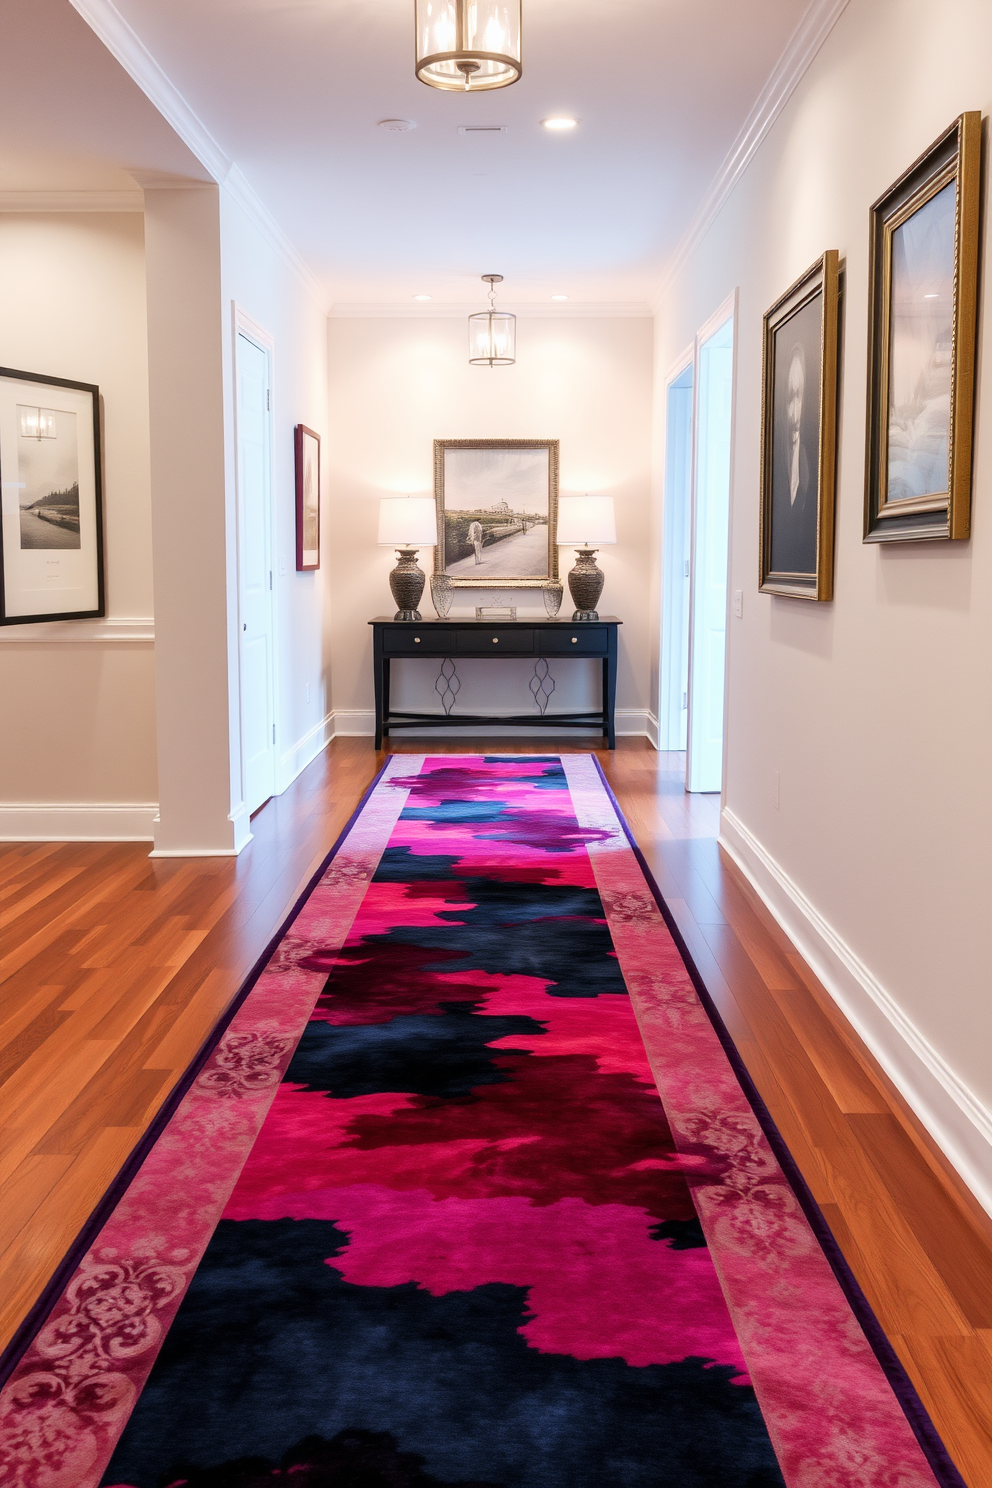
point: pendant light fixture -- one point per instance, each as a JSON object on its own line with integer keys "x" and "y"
{"x": 468, "y": 46}
{"x": 492, "y": 333}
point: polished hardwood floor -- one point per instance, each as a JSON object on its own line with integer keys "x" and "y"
{"x": 114, "y": 967}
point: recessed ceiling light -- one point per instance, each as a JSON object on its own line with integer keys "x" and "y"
{"x": 421, "y": 297}
{"x": 559, "y": 122}
{"x": 397, "y": 126}
{"x": 559, "y": 297}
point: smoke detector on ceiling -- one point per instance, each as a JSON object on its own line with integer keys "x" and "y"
{"x": 397, "y": 126}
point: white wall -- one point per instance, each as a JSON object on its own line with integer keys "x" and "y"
{"x": 875, "y": 709}
{"x": 206, "y": 259}
{"x": 257, "y": 278}
{"x": 77, "y": 720}
{"x": 396, "y": 385}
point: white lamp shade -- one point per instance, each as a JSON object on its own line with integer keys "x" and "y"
{"x": 407, "y": 522}
{"x": 586, "y": 521}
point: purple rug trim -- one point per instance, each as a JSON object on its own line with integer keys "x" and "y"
{"x": 35, "y": 1318}
{"x": 902, "y": 1386}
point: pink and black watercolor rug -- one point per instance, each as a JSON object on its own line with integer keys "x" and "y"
{"x": 471, "y": 1190}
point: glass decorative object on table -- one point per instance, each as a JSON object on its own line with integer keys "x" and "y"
{"x": 553, "y": 591}
{"x": 441, "y": 594}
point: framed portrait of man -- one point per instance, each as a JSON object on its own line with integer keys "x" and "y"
{"x": 923, "y": 296}
{"x": 799, "y": 435}
{"x": 497, "y": 511}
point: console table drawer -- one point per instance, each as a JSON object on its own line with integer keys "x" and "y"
{"x": 483, "y": 641}
{"x": 416, "y": 643}
{"x": 578, "y": 640}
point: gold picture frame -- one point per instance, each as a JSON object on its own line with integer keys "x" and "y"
{"x": 497, "y": 512}
{"x": 922, "y": 335}
{"x": 800, "y": 338}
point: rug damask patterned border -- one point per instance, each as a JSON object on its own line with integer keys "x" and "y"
{"x": 357, "y": 1123}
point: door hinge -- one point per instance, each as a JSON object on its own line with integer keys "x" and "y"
{"x": 685, "y": 700}
{"x": 687, "y": 568}
{"x": 273, "y": 733}
{"x": 270, "y": 578}
{"x": 268, "y": 400}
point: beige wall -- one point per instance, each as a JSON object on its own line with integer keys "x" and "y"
{"x": 875, "y": 710}
{"x": 77, "y": 719}
{"x": 395, "y": 385}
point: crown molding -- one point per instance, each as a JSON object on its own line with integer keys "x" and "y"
{"x": 816, "y": 25}
{"x": 123, "y": 42}
{"x": 243, "y": 193}
{"x": 72, "y": 201}
{"x": 622, "y": 310}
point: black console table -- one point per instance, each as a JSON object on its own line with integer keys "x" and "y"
{"x": 452, "y": 640}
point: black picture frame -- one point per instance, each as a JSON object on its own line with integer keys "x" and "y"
{"x": 799, "y": 435}
{"x": 78, "y": 516}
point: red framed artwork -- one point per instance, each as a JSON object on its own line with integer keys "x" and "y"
{"x": 307, "y": 499}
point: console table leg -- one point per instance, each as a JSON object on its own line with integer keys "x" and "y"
{"x": 378, "y": 664}
{"x": 610, "y": 698}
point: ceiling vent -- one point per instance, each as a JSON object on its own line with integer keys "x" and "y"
{"x": 482, "y": 128}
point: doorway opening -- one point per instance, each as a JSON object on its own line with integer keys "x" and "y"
{"x": 699, "y": 443}
{"x": 673, "y": 712}
{"x": 257, "y": 651}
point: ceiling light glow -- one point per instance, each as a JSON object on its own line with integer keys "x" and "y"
{"x": 559, "y": 123}
{"x": 559, "y": 297}
{"x": 421, "y": 297}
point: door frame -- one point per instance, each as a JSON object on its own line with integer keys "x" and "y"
{"x": 242, "y": 324}
{"x": 673, "y": 641}
{"x": 727, "y": 310}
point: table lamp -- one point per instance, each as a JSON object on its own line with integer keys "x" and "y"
{"x": 407, "y": 523}
{"x": 586, "y": 523}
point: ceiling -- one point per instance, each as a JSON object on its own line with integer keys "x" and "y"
{"x": 293, "y": 91}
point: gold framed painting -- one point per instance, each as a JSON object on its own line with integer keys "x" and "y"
{"x": 799, "y": 435}
{"x": 922, "y": 327}
{"x": 497, "y": 511}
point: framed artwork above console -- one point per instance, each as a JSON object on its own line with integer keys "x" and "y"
{"x": 497, "y": 511}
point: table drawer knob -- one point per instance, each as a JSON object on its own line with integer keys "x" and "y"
{"x": 575, "y": 640}
{"x": 495, "y": 640}
{"x": 416, "y": 640}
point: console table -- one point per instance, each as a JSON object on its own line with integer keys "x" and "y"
{"x": 451, "y": 641}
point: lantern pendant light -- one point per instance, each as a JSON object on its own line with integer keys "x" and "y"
{"x": 468, "y": 45}
{"x": 492, "y": 333}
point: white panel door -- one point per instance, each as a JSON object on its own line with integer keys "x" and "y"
{"x": 255, "y": 572}
{"x": 708, "y": 563}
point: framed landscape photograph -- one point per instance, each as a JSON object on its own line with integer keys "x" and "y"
{"x": 51, "y": 504}
{"x": 497, "y": 511}
{"x": 799, "y": 435}
{"x": 307, "y": 499}
{"x": 922, "y": 322}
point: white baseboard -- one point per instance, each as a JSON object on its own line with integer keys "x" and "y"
{"x": 83, "y": 822}
{"x": 360, "y": 723}
{"x": 299, "y": 755}
{"x": 351, "y": 723}
{"x": 952, "y": 1114}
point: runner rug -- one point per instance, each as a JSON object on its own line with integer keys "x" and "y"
{"x": 422, "y": 1219}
